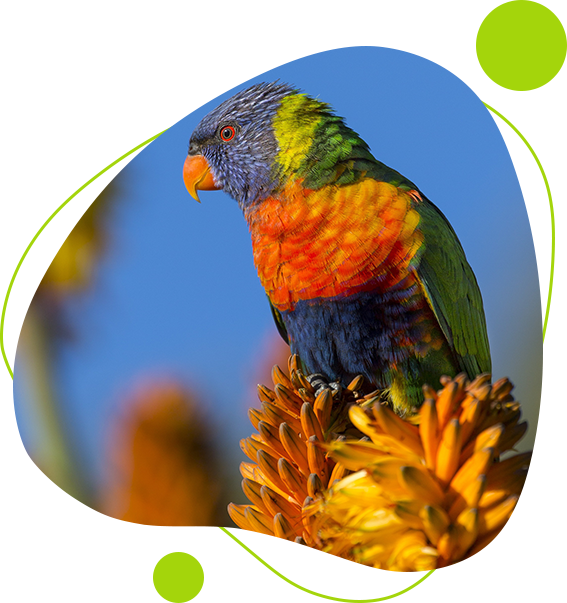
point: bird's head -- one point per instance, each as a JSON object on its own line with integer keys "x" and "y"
{"x": 252, "y": 143}
{"x": 234, "y": 147}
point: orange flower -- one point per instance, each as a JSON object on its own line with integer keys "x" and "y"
{"x": 409, "y": 495}
{"x": 161, "y": 470}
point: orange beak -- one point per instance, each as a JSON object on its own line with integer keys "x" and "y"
{"x": 197, "y": 175}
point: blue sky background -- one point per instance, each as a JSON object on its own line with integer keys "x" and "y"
{"x": 178, "y": 293}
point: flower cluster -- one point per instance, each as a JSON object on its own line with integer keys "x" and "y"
{"x": 348, "y": 476}
{"x": 290, "y": 468}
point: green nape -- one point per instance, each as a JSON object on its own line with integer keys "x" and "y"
{"x": 317, "y": 146}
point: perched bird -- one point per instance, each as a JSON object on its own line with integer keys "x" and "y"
{"x": 363, "y": 273}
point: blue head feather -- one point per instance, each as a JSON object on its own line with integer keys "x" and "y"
{"x": 242, "y": 167}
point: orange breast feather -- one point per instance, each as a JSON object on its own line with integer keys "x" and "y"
{"x": 334, "y": 241}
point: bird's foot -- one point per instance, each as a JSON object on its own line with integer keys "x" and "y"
{"x": 319, "y": 383}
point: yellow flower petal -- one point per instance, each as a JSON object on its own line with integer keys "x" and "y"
{"x": 469, "y": 419}
{"x": 469, "y": 497}
{"x": 356, "y": 383}
{"x": 339, "y": 471}
{"x": 269, "y": 467}
{"x": 275, "y": 503}
{"x": 316, "y": 459}
{"x": 310, "y": 423}
{"x": 409, "y": 512}
{"x": 255, "y": 416}
{"x": 411, "y": 553}
{"x": 251, "y": 471}
{"x": 435, "y": 522}
{"x": 428, "y": 432}
{"x": 397, "y": 428}
{"x": 477, "y": 465}
{"x": 495, "y": 517}
{"x": 271, "y": 437}
{"x": 277, "y": 415}
{"x": 447, "y": 399}
{"x": 280, "y": 378}
{"x": 291, "y": 479}
{"x": 467, "y": 531}
{"x": 252, "y": 491}
{"x": 322, "y": 407}
{"x": 287, "y": 399}
{"x": 355, "y": 455}
{"x": 282, "y": 528}
{"x": 447, "y": 544}
{"x": 448, "y": 452}
{"x": 421, "y": 485}
{"x": 294, "y": 447}
{"x": 265, "y": 394}
{"x": 488, "y": 438}
{"x": 314, "y": 486}
{"x": 258, "y": 521}
{"x": 236, "y": 513}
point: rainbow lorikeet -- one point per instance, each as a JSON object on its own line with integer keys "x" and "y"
{"x": 363, "y": 273}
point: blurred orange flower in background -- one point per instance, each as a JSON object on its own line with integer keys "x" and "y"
{"x": 161, "y": 467}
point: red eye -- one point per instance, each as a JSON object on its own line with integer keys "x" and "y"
{"x": 227, "y": 133}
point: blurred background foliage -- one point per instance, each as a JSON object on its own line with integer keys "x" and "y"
{"x": 161, "y": 463}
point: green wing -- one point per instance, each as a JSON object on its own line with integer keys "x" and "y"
{"x": 452, "y": 291}
{"x": 279, "y": 322}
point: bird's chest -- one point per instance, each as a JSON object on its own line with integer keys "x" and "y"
{"x": 334, "y": 242}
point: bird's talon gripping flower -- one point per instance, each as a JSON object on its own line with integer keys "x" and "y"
{"x": 350, "y": 477}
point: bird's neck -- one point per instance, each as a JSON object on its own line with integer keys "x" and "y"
{"x": 316, "y": 146}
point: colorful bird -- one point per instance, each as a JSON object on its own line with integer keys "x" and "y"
{"x": 363, "y": 273}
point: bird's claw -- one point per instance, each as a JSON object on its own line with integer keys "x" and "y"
{"x": 336, "y": 389}
{"x": 320, "y": 384}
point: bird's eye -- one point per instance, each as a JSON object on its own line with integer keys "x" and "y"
{"x": 227, "y": 133}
